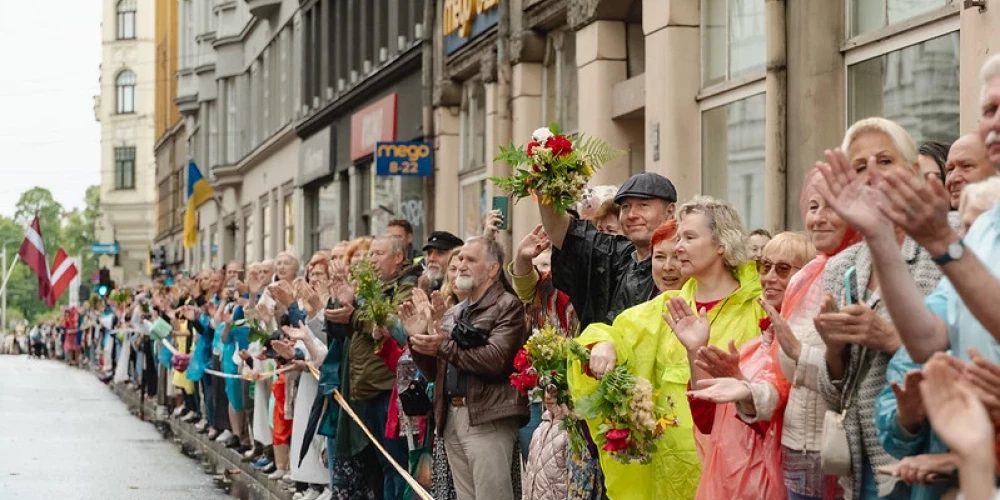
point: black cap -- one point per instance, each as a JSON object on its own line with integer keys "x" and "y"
{"x": 647, "y": 185}
{"x": 443, "y": 240}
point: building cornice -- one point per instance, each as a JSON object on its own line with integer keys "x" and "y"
{"x": 167, "y": 134}
{"x": 232, "y": 175}
{"x": 239, "y": 38}
{"x": 385, "y": 77}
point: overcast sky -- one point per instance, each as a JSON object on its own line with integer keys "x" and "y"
{"x": 50, "y": 53}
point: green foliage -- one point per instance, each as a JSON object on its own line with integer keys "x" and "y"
{"x": 373, "y": 303}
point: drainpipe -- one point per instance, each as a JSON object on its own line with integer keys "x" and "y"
{"x": 504, "y": 125}
{"x": 776, "y": 110}
{"x": 427, "y": 80}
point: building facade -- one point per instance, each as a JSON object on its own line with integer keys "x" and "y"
{"x": 125, "y": 110}
{"x": 731, "y": 98}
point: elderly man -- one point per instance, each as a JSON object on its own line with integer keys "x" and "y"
{"x": 967, "y": 164}
{"x": 605, "y": 274}
{"x": 961, "y": 313}
{"x": 368, "y": 382}
{"x": 437, "y": 254}
{"x": 476, "y": 408}
{"x": 233, "y": 271}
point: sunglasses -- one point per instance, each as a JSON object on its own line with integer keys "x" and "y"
{"x": 783, "y": 269}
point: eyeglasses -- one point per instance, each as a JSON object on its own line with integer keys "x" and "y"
{"x": 783, "y": 269}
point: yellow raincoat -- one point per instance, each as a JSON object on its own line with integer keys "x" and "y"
{"x": 643, "y": 340}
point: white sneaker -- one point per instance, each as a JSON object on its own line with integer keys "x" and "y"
{"x": 299, "y": 495}
{"x": 177, "y": 412}
{"x": 190, "y": 417}
{"x": 288, "y": 478}
{"x": 201, "y": 425}
{"x": 250, "y": 452}
{"x": 224, "y": 436}
{"x": 310, "y": 494}
{"x": 277, "y": 475}
{"x": 326, "y": 495}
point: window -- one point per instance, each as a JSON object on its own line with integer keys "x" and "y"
{"x": 559, "y": 87}
{"x": 326, "y": 216}
{"x": 231, "y": 129}
{"x": 248, "y": 253}
{"x": 125, "y": 168}
{"x": 473, "y": 203}
{"x": 870, "y": 15}
{"x": 916, "y": 87}
{"x": 265, "y": 221}
{"x": 474, "y": 126}
{"x": 732, "y": 39}
{"x": 289, "y": 214}
{"x": 733, "y": 156}
{"x": 163, "y": 208}
{"x": 126, "y": 19}
{"x": 125, "y": 95}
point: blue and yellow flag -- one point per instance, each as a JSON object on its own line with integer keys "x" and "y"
{"x": 198, "y": 191}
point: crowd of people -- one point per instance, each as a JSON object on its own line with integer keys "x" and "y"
{"x": 857, "y": 359}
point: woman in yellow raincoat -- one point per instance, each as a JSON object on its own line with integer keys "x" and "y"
{"x": 724, "y": 286}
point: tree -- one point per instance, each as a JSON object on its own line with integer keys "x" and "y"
{"x": 78, "y": 232}
{"x": 39, "y": 200}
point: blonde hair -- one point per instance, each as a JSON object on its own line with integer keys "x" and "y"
{"x": 726, "y": 225}
{"x": 991, "y": 70}
{"x": 793, "y": 243}
{"x": 446, "y": 289}
{"x": 901, "y": 139}
{"x": 321, "y": 258}
{"x": 987, "y": 190}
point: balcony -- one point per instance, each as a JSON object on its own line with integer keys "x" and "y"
{"x": 263, "y": 9}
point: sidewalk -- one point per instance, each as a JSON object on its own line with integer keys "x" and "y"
{"x": 250, "y": 482}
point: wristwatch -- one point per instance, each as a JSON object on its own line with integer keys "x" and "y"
{"x": 956, "y": 250}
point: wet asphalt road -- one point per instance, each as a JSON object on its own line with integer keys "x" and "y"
{"x": 65, "y": 436}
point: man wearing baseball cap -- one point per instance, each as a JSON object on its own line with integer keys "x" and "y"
{"x": 437, "y": 253}
{"x": 605, "y": 274}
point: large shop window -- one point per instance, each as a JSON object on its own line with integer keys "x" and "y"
{"x": 474, "y": 126}
{"x": 733, "y": 156}
{"x": 916, "y": 86}
{"x": 732, "y": 39}
{"x": 473, "y": 203}
{"x": 559, "y": 85}
{"x": 326, "y": 216}
{"x": 870, "y": 15}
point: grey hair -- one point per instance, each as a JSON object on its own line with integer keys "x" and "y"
{"x": 987, "y": 190}
{"x": 991, "y": 70}
{"x": 726, "y": 226}
{"x": 395, "y": 244}
{"x": 493, "y": 249}
{"x": 902, "y": 139}
{"x": 292, "y": 256}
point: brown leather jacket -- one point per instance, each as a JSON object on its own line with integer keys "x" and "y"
{"x": 489, "y": 394}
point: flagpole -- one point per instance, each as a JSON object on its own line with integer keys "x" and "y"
{"x": 6, "y": 276}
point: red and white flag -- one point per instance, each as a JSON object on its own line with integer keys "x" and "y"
{"x": 63, "y": 272}
{"x": 32, "y": 252}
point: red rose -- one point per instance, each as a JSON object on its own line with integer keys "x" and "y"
{"x": 531, "y": 147}
{"x": 616, "y": 440}
{"x": 764, "y": 324}
{"x": 524, "y": 382}
{"x": 559, "y": 145}
{"x": 522, "y": 361}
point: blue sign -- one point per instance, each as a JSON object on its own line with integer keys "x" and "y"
{"x": 410, "y": 158}
{"x": 467, "y": 21}
{"x": 104, "y": 248}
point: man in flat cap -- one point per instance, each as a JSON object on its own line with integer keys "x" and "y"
{"x": 605, "y": 274}
{"x": 437, "y": 253}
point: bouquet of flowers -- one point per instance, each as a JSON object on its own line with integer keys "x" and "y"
{"x": 630, "y": 419}
{"x": 373, "y": 304}
{"x": 541, "y": 368}
{"x": 553, "y": 167}
{"x": 120, "y": 297}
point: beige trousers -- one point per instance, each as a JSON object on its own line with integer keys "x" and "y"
{"x": 480, "y": 456}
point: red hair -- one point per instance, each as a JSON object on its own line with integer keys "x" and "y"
{"x": 666, "y": 231}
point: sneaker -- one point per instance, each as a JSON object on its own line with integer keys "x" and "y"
{"x": 201, "y": 426}
{"x": 277, "y": 475}
{"x": 269, "y": 468}
{"x": 224, "y": 436}
{"x": 311, "y": 494}
{"x": 287, "y": 478}
{"x": 178, "y": 411}
{"x": 263, "y": 463}
{"x": 213, "y": 433}
{"x": 299, "y": 495}
{"x": 327, "y": 494}
{"x": 250, "y": 453}
{"x": 192, "y": 417}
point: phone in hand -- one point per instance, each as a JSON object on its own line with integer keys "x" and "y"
{"x": 502, "y": 204}
{"x": 851, "y": 286}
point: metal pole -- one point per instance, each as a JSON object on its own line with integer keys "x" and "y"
{"x": 3, "y": 308}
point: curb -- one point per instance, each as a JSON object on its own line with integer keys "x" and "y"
{"x": 249, "y": 482}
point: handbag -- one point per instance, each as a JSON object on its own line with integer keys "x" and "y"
{"x": 414, "y": 399}
{"x": 835, "y": 454}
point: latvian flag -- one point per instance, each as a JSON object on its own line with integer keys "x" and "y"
{"x": 32, "y": 252}
{"x": 63, "y": 272}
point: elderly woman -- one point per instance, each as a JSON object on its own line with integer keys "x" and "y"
{"x": 976, "y": 199}
{"x": 723, "y": 285}
{"x": 860, "y": 338}
{"x": 745, "y": 461}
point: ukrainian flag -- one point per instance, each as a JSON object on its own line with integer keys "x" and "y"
{"x": 198, "y": 191}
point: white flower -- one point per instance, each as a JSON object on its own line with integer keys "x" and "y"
{"x": 541, "y": 135}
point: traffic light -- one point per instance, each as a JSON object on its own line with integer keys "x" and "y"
{"x": 104, "y": 284}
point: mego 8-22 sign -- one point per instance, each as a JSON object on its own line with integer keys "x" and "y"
{"x": 404, "y": 158}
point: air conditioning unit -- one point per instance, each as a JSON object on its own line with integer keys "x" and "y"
{"x": 329, "y": 93}
{"x": 366, "y": 67}
{"x": 341, "y": 84}
{"x": 401, "y": 42}
{"x": 418, "y": 31}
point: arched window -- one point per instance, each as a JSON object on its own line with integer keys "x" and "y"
{"x": 125, "y": 95}
{"x": 126, "y": 19}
